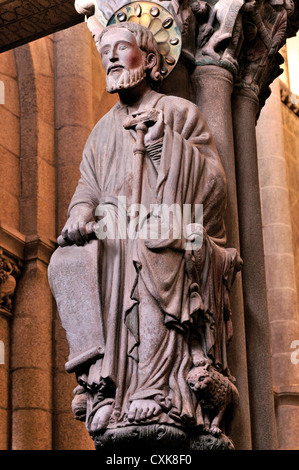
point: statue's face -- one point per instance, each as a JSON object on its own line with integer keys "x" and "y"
{"x": 123, "y": 60}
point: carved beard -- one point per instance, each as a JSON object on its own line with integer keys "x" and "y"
{"x": 127, "y": 79}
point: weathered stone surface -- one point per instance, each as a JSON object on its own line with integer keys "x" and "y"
{"x": 24, "y": 21}
{"x": 288, "y": 415}
{"x": 32, "y": 429}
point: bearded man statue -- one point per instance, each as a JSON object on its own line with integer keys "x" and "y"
{"x": 141, "y": 313}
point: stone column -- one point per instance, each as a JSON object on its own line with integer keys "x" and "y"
{"x": 31, "y": 347}
{"x": 245, "y": 109}
{"x": 211, "y": 81}
{"x": 279, "y": 263}
{"x": 31, "y": 357}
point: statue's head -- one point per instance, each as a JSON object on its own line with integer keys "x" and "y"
{"x": 130, "y": 55}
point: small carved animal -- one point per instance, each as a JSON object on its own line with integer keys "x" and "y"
{"x": 215, "y": 392}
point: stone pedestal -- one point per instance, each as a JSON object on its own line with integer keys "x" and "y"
{"x": 161, "y": 439}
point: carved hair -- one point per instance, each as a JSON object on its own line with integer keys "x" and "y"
{"x": 146, "y": 42}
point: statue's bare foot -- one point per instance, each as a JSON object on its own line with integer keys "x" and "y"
{"x": 143, "y": 409}
{"x": 101, "y": 418}
{"x": 215, "y": 431}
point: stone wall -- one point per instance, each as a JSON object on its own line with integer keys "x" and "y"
{"x": 276, "y": 148}
{"x": 26, "y": 20}
{"x": 291, "y": 141}
{"x": 10, "y": 143}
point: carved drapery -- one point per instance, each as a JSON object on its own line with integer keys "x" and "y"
{"x": 244, "y": 38}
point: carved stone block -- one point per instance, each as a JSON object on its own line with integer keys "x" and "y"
{"x": 9, "y": 272}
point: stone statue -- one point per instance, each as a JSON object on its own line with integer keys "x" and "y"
{"x": 215, "y": 394}
{"x": 143, "y": 312}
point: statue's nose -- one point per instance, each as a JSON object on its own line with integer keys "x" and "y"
{"x": 113, "y": 56}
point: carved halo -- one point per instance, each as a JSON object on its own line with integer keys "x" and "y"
{"x": 161, "y": 23}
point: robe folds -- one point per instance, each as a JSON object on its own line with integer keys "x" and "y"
{"x": 153, "y": 314}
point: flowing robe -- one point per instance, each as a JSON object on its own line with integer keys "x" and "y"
{"x": 153, "y": 313}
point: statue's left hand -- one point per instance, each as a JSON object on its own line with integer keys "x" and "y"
{"x": 154, "y": 132}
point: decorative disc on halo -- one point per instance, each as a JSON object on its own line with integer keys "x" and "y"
{"x": 161, "y": 23}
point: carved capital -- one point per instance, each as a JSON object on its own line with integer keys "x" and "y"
{"x": 15, "y": 251}
{"x": 9, "y": 272}
{"x": 265, "y": 32}
{"x": 245, "y": 36}
{"x": 219, "y": 32}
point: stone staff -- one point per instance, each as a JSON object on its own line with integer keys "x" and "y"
{"x": 140, "y": 123}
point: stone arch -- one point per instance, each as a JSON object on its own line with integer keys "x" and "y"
{"x": 31, "y": 335}
{"x": 36, "y": 88}
{"x": 9, "y": 141}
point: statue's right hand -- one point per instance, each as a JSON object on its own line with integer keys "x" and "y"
{"x": 76, "y": 232}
